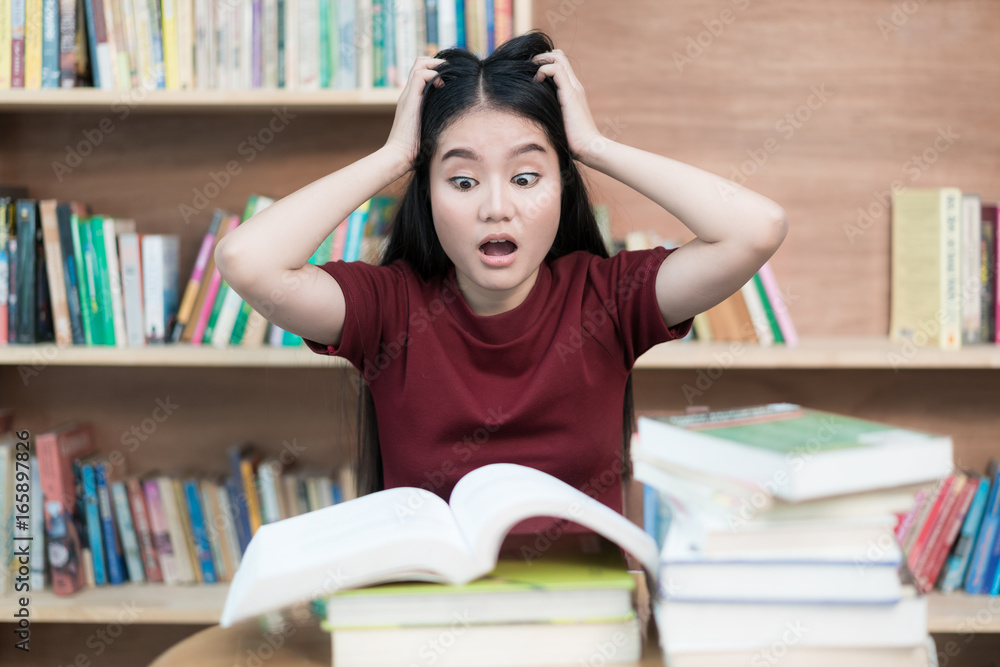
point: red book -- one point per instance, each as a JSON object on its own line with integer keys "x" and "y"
{"x": 920, "y": 543}
{"x": 56, "y": 451}
{"x": 140, "y": 518}
{"x": 939, "y": 549}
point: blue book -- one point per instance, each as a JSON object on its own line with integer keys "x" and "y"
{"x": 112, "y": 547}
{"x": 93, "y": 516}
{"x": 50, "y": 43}
{"x": 977, "y": 579}
{"x": 239, "y": 497}
{"x": 958, "y": 561}
{"x": 490, "y": 28}
{"x": 201, "y": 545}
{"x": 356, "y": 232}
{"x": 992, "y": 584}
{"x": 338, "y": 496}
{"x": 460, "y": 23}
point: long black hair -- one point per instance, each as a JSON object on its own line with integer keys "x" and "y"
{"x": 503, "y": 81}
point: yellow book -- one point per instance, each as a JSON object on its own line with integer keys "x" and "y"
{"x": 170, "y": 63}
{"x": 6, "y": 43}
{"x": 253, "y": 503}
{"x": 185, "y": 521}
{"x": 926, "y": 297}
{"x": 32, "y": 44}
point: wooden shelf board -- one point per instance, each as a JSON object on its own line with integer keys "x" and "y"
{"x": 166, "y": 355}
{"x": 820, "y": 353}
{"x": 128, "y": 603}
{"x": 91, "y": 99}
{"x": 202, "y": 604}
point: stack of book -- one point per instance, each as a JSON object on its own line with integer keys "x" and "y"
{"x": 474, "y": 595}
{"x": 101, "y": 526}
{"x": 781, "y": 536}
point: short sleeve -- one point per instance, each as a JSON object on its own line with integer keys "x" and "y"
{"x": 372, "y": 295}
{"x": 627, "y": 286}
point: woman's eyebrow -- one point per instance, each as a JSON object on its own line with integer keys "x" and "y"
{"x": 470, "y": 154}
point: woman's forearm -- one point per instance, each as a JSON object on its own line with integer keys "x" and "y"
{"x": 284, "y": 236}
{"x": 713, "y": 207}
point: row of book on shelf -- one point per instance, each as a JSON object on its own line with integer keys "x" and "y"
{"x": 79, "y": 279}
{"x": 944, "y": 290}
{"x": 90, "y": 523}
{"x": 238, "y": 45}
{"x": 778, "y": 518}
{"x": 757, "y": 313}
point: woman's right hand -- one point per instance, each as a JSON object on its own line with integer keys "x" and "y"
{"x": 404, "y": 136}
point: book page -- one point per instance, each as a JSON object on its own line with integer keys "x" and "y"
{"x": 490, "y": 500}
{"x": 393, "y": 535}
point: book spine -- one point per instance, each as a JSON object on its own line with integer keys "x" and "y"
{"x": 161, "y": 532}
{"x": 958, "y": 561}
{"x": 970, "y": 264}
{"x": 976, "y": 578}
{"x": 202, "y": 547}
{"x": 777, "y": 302}
{"x": 50, "y": 44}
{"x": 178, "y": 539}
{"x": 112, "y": 547}
{"x": 84, "y": 269}
{"x": 131, "y": 279}
{"x": 144, "y": 533}
{"x": 757, "y": 314}
{"x": 184, "y": 518}
{"x": 54, "y": 267}
{"x": 66, "y": 48}
{"x": 26, "y": 314}
{"x": 987, "y": 272}
{"x": 211, "y": 293}
{"x": 17, "y": 44}
{"x": 102, "y": 280}
{"x": 928, "y": 524}
{"x": 227, "y": 527}
{"x": 70, "y": 273}
{"x": 6, "y": 43}
{"x": 153, "y": 287}
{"x": 115, "y": 280}
{"x": 7, "y": 532}
{"x": 772, "y": 321}
{"x": 210, "y": 511}
{"x": 33, "y": 44}
{"x": 126, "y": 529}
{"x": 938, "y": 524}
{"x": 951, "y": 296}
{"x": 237, "y": 502}
{"x": 93, "y": 516}
{"x": 250, "y": 488}
{"x": 943, "y": 533}
{"x": 38, "y": 545}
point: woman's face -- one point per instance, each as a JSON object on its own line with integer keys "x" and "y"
{"x": 495, "y": 195}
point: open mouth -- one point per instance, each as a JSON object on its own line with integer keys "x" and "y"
{"x": 498, "y": 248}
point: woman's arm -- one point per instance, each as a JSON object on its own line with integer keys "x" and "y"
{"x": 737, "y": 229}
{"x": 266, "y": 259}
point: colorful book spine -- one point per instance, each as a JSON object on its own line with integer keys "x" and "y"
{"x": 47, "y": 209}
{"x": 50, "y": 44}
{"x": 214, "y": 283}
{"x": 127, "y": 531}
{"x": 178, "y": 537}
{"x": 186, "y": 307}
{"x": 143, "y": 530}
{"x": 958, "y": 561}
{"x": 203, "y": 548}
{"x": 976, "y": 579}
{"x": 945, "y": 538}
{"x": 64, "y": 216}
{"x": 102, "y": 279}
{"x": 93, "y": 516}
{"x": 210, "y": 510}
{"x": 160, "y": 529}
{"x": 112, "y": 547}
{"x": 777, "y": 301}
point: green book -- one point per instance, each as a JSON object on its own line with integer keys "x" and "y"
{"x": 578, "y": 577}
{"x": 81, "y": 279}
{"x": 772, "y": 321}
{"x": 795, "y": 453}
{"x": 102, "y": 281}
{"x": 91, "y": 306}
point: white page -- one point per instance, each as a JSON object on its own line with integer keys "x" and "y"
{"x": 393, "y": 535}
{"x": 490, "y": 500}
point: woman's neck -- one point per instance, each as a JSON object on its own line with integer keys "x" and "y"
{"x": 486, "y": 302}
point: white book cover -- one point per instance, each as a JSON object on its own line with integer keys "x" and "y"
{"x": 131, "y": 288}
{"x": 113, "y": 228}
{"x": 309, "y": 26}
{"x": 971, "y": 267}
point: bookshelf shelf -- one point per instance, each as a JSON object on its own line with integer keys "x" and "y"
{"x": 202, "y": 604}
{"x": 90, "y": 99}
{"x": 819, "y": 353}
{"x": 127, "y": 604}
{"x": 166, "y": 356}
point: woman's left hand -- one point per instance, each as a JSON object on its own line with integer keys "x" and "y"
{"x": 581, "y": 131}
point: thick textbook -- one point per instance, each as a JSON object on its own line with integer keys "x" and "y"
{"x": 410, "y": 534}
{"x": 796, "y": 453}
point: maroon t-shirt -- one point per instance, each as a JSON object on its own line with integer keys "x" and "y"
{"x": 541, "y": 385}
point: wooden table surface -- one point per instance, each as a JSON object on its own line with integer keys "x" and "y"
{"x": 301, "y": 645}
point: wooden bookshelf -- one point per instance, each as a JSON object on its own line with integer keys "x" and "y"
{"x": 202, "y": 604}
{"x": 814, "y": 353}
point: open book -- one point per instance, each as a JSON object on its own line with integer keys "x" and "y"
{"x": 409, "y": 534}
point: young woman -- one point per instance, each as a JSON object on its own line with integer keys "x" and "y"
{"x": 496, "y": 327}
